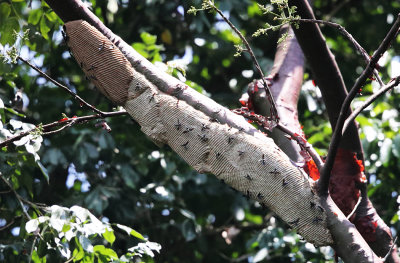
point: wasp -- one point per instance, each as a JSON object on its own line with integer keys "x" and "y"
{"x": 203, "y": 137}
{"x": 294, "y": 222}
{"x": 204, "y": 127}
{"x": 178, "y": 126}
{"x": 137, "y": 86}
{"x": 101, "y": 46}
{"x": 317, "y": 219}
{"x": 320, "y": 208}
{"x": 185, "y": 145}
{"x": 263, "y": 162}
{"x": 188, "y": 130}
{"x": 275, "y": 172}
{"x": 152, "y": 97}
{"x": 284, "y": 182}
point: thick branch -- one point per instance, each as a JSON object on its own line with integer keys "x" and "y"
{"x": 325, "y": 72}
{"x": 344, "y": 111}
{"x": 393, "y": 83}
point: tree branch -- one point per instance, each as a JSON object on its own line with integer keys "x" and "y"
{"x": 344, "y": 32}
{"x": 273, "y": 109}
{"x": 73, "y": 94}
{"x": 393, "y": 83}
{"x": 337, "y": 134}
{"x": 65, "y": 123}
{"x": 325, "y": 71}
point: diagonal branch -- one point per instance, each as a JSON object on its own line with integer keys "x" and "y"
{"x": 337, "y": 134}
{"x": 73, "y": 94}
{"x": 274, "y": 111}
{"x": 393, "y": 83}
{"x": 325, "y": 71}
{"x": 64, "y": 123}
{"x": 344, "y": 32}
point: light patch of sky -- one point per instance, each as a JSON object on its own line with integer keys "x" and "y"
{"x": 395, "y": 67}
{"x": 161, "y": 191}
{"x": 181, "y": 10}
{"x": 247, "y": 73}
{"x": 199, "y": 41}
{"x": 221, "y": 25}
{"x": 187, "y": 57}
{"x": 165, "y": 212}
{"x": 74, "y": 175}
{"x": 15, "y": 231}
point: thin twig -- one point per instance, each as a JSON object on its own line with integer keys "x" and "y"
{"x": 303, "y": 143}
{"x": 344, "y": 32}
{"x": 7, "y": 226}
{"x": 393, "y": 83}
{"x": 63, "y": 123}
{"x": 354, "y": 208}
{"x": 390, "y": 250}
{"x": 337, "y": 134}
{"x": 262, "y": 121}
{"x": 73, "y": 94}
{"x": 19, "y": 198}
{"x": 274, "y": 111}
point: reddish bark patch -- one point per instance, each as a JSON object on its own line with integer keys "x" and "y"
{"x": 367, "y": 227}
{"x": 312, "y": 170}
{"x": 347, "y": 174}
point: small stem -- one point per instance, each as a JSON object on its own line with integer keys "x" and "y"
{"x": 337, "y": 134}
{"x": 65, "y": 124}
{"x": 344, "y": 32}
{"x": 304, "y": 144}
{"x": 354, "y": 208}
{"x": 393, "y": 83}
{"x": 19, "y": 198}
{"x": 274, "y": 111}
{"x": 390, "y": 250}
{"x": 74, "y": 95}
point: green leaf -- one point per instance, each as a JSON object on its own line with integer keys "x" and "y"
{"x": 44, "y": 28}
{"x": 396, "y": 146}
{"x": 32, "y": 225}
{"x": 44, "y": 171}
{"x": 85, "y": 243}
{"x": 78, "y": 254}
{"x": 51, "y": 16}
{"x": 34, "y": 257}
{"x": 188, "y": 230}
{"x": 141, "y": 48}
{"x": 5, "y": 10}
{"x": 42, "y": 249}
{"x": 91, "y": 150}
{"x": 66, "y": 228}
{"x": 108, "y": 252}
{"x": 34, "y": 16}
{"x": 148, "y": 39}
{"x": 131, "y": 231}
{"x": 9, "y": 28}
{"x": 109, "y": 236}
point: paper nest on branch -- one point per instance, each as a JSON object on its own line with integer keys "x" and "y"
{"x": 257, "y": 168}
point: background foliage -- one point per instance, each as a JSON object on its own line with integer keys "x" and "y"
{"x": 122, "y": 177}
